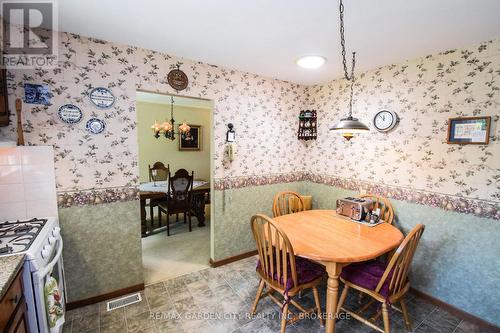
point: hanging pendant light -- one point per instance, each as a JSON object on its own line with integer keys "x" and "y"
{"x": 348, "y": 126}
{"x": 167, "y": 128}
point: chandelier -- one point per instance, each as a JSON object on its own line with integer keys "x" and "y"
{"x": 167, "y": 128}
{"x": 348, "y": 126}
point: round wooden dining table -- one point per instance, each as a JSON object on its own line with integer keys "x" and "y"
{"x": 336, "y": 241}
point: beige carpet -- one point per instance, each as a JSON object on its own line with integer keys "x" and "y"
{"x": 181, "y": 253}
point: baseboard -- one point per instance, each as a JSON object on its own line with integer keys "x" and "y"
{"x": 217, "y": 263}
{"x": 456, "y": 311}
{"x": 104, "y": 297}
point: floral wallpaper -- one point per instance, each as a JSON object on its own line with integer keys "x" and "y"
{"x": 263, "y": 112}
{"x": 411, "y": 163}
{"x": 424, "y": 93}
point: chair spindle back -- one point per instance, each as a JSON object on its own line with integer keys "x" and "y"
{"x": 158, "y": 172}
{"x": 287, "y": 202}
{"x": 400, "y": 262}
{"x": 275, "y": 251}
{"x": 386, "y": 210}
{"x": 180, "y": 187}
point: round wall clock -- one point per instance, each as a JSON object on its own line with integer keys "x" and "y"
{"x": 95, "y": 126}
{"x": 385, "y": 120}
{"x": 177, "y": 79}
{"x": 70, "y": 114}
{"x": 102, "y": 97}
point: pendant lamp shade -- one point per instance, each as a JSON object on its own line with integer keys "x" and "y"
{"x": 348, "y": 127}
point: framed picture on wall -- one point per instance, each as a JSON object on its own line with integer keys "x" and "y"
{"x": 469, "y": 130}
{"x": 191, "y": 141}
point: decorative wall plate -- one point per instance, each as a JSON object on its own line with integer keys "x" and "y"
{"x": 70, "y": 114}
{"x": 102, "y": 97}
{"x": 95, "y": 126}
{"x": 177, "y": 79}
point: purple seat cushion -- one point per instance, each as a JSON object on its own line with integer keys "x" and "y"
{"x": 367, "y": 275}
{"x": 307, "y": 271}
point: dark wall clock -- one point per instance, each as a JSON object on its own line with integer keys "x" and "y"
{"x": 177, "y": 79}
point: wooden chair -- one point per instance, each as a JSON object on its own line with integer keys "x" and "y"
{"x": 179, "y": 200}
{"x": 161, "y": 171}
{"x": 281, "y": 271}
{"x": 157, "y": 172}
{"x": 385, "y": 283}
{"x": 386, "y": 210}
{"x": 287, "y": 202}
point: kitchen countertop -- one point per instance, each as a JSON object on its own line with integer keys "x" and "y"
{"x": 9, "y": 267}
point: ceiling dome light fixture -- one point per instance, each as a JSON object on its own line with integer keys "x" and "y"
{"x": 348, "y": 126}
{"x": 311, "y": 61}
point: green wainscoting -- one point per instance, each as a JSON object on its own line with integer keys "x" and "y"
{"x": 102, "y": 248}
{"x": 457, "y": 260}
{"x": 234, "y": 208}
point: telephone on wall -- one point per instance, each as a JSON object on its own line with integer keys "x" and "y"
{"x": 230, "y": 151}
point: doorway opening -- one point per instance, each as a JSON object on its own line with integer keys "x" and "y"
{"x": 175, "y": 171}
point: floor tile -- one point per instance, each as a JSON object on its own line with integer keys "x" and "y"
{"x": 140, "y": 321}
{"x": 106, "y": 317}
{"x": 257, "y": 325}
{"x": 85, "y": 322}
{"x": 114, "y": 326}
{"x": 468, "y": 327}
{"x": 136, "y": 308}
{"x": 442, "y": 321}
{"x": 220, "y": 300}
{"x": 169, "y": 326}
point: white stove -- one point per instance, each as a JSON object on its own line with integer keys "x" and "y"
{"x": 39, "y": 239}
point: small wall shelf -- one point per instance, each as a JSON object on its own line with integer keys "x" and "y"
{"x": 307, "y": 125}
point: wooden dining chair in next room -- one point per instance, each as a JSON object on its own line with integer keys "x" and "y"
{"x": 287, "y": 202}
{"x": 158, "y": 172}
{"x": 179, "y": 201}
{"x": 385, "y": 283}
{"x": 282, "y": 272}
{"x": 386, "y": 210}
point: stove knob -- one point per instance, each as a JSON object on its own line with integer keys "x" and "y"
{"x": 45, "y": 251}
{"x": 56, "y": 231}
{"x": 52, "y": 240}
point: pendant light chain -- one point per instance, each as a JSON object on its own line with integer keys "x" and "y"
{"x": 344, "y": 60}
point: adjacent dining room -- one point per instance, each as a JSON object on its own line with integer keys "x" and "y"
{"x": 174, "y": 170}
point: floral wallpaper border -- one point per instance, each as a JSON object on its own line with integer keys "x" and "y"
{"x": 480, "y": 208}
{"x": 97, "y": 196}
{"x": 239, "y": 182}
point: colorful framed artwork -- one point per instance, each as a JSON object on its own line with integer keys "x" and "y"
{"x": 193, "y": 140}
{"x": 37, "y": 94}
{"x": 469, "y": 130}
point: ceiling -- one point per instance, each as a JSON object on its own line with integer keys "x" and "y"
{"x": 266, "y": 37}
{"x": 178, "y": 101}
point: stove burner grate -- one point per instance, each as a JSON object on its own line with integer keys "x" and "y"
{"x": 19, "y": 235}
{"x": 5, "y": 249}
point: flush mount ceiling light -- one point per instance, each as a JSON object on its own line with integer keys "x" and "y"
{"x": 349, "y": 125}
{"x": 311, "y": 61}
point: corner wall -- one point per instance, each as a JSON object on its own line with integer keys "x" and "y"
{"x": 457, "y": 258}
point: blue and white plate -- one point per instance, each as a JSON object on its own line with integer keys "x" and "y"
{"x": 102, "y": 97}
{"x": 95, "y": 126}
{"x": 70, "y": 114}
